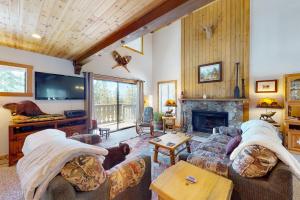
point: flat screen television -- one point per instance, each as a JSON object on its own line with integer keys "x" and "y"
{"x": 58, "y": 87}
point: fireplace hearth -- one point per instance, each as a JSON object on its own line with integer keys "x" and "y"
{"x": 205, "y": 121}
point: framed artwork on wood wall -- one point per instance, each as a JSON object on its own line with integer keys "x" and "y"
{"x": 209, "y": 73}
{"x": 266, "y": 86}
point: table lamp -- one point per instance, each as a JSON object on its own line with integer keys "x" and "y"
{"x": 170, "y": 103}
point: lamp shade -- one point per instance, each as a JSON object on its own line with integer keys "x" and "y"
{"x": 171, "y": 103}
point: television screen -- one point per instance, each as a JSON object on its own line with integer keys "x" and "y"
{"x": 58, "y": 87}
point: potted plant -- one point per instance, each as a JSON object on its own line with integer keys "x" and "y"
{"x": 157, "y": 118}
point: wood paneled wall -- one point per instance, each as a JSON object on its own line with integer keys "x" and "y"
{"x": 229, "y": 44}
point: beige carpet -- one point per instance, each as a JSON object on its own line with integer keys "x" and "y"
{"x": 10, "y": 188}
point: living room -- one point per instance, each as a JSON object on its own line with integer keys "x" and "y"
{"x": 144, "y": 95}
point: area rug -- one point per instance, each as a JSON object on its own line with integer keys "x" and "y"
{"x": 10, "y": 187}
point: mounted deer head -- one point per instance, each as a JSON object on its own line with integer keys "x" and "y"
{"x": 209, "y": 29}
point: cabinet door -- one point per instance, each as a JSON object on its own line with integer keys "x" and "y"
{"x": 293, "y": 88}
{"x": 294, "y": 140}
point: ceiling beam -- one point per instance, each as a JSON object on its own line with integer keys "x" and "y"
{"x": 167, "y": 12}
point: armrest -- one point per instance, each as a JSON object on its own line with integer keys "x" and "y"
{"x": 141, "y": 190}
{"x": 278, "y": 185}
{"x": 59, "y": 189}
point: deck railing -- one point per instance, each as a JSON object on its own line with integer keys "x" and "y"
{"x": 107, "y": 113}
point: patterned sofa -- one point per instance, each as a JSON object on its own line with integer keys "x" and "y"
{"x": 120, "y": 184}
{"x": 211, "y": 155}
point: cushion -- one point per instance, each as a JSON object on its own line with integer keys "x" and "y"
{"x": 84, "y": 172}
{"x": 232, "y": 144}
{"x": 254, "y": 161}
{"x": 230, "y": 131}
{"x": 87, "y": 138}
{"x": 210, "y": 161}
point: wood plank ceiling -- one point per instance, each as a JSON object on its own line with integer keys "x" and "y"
{"x": 67, "y": 27}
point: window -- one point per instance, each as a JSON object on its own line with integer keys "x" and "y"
{"x": 136, "y": 45}
{"x": 166, "y": 90}
{"x": 15, "y": 79}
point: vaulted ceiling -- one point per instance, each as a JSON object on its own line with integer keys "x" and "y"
{"x": 67, "y": 27}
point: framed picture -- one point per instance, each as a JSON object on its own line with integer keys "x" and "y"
{"x": 266, "y": 86}
{"x": 211, "y": 72}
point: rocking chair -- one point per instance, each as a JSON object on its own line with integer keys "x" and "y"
{"x": 146, "y": 122}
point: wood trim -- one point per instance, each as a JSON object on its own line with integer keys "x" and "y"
{"x": 161, "y": 82}
{"x": 29, "y": 80}
{"x": 142, "y": 47}
{"x": 113, "y": 78}
{"x": 161, "y": 15}
{"x": 276, "y": 86}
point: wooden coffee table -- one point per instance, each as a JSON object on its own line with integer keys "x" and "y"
{"x": 171, "y": 184}
{"x": 178, "y": 139}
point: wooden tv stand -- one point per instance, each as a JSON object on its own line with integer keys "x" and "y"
{"x": 18, "y": 133}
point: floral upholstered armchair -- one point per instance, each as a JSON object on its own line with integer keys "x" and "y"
{"x": 146, "y": 122}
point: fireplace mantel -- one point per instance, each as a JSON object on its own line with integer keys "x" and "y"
{"x": 216, "y": 99}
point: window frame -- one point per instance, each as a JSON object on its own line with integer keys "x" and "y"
{"x": 162, "y": 82}
{"x": 28, "y": 89}
{"x": 137, "y": 51}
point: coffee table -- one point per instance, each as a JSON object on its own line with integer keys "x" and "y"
{"x": 171, "y": 184}
{"x": 178, "y": 139}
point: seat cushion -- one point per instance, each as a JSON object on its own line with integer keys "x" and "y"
{"x": 210, "y": 161}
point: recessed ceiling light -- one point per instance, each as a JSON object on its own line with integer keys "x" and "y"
{"x": 36, "y": 36}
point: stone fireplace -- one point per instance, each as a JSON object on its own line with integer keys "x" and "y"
{"x": 227, "y": 112}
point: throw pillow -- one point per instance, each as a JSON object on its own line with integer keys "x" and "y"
{"x": 116, "y": 155}
{"x": 85, "y": 173}
{"x": 230, "y": 131}
{"x": 232, "y": 144}
{"x": 254, "y": 161}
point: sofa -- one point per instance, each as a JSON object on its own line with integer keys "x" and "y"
{"x": 211, "y": 155}
{"x": 60, "y": 189}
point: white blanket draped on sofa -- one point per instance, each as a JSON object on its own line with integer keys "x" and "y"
{"x": 258, "y": 132}
{"x": 43, "y": 162}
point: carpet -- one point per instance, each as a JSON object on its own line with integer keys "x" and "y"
{"x": 10, "y": 187}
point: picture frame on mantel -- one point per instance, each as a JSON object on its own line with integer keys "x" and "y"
{"x": 266, "y": 86}
{"x": 209, "y": 73}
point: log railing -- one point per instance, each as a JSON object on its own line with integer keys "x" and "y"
{"x": 107, "y": 113}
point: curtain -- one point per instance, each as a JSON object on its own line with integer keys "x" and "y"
{"x": 140, "y": 99}
{"x": 89, "y": 97}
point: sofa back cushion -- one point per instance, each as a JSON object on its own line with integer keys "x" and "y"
{"x": 254, "y": 161}
{"x": 84, "y": 172}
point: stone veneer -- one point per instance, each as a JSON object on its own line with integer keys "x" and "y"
{"x": 233, "y": 107}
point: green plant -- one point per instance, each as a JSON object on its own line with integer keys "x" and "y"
{"x": 157, "y": 116}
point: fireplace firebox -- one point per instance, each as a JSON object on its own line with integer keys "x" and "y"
{"x": 205, "y": 121}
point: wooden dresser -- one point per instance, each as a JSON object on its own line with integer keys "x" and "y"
{"x": 292, "y": 112}
{"x": 18, "y": 133}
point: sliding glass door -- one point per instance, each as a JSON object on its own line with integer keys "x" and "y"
{"x": 115, "y": 104}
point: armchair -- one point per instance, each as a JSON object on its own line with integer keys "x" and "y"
{"x": 146, "y": 122}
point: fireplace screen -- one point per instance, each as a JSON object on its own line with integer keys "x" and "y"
{"x": 205, "y": 121}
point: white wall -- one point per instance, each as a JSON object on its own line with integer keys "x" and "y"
{"x": 275, "y": 45}
{"x": 140, "y": 66}
{"x": 166, "y": 49}
{"x": 40, "y": 63}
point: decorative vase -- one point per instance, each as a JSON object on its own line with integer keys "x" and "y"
{"x": 236, "y": 88}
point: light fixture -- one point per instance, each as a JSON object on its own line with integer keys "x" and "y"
{"x": 36, "y": 36}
